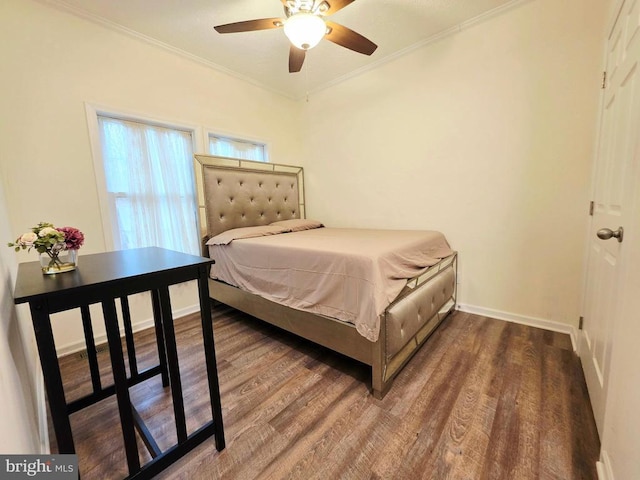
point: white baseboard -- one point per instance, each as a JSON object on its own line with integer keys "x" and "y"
{"x": 604, "y": 467}
{"x": 524, "y": 320}
{"x": 137, "y": 326}
{"x": 41, "y": 402}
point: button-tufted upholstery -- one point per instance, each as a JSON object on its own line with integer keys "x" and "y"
{"x": 242, "y": 198}
{"x": 408, "y": 315}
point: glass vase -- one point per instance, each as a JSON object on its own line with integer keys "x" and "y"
{"x": 58, "y": 262}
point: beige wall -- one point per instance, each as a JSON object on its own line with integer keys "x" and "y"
{"x": 487, "y": 135}
{"x": 18, "y": 357}
{"x": 54, "y": 62}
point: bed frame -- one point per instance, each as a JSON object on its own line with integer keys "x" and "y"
{"x": 239, "y": 193}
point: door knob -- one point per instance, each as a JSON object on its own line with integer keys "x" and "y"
{"x": 607, "y": 233}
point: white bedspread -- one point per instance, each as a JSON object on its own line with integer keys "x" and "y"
{"x": 348, "y": 274}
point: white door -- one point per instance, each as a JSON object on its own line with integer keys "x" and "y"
{"x": 614, "y": 186}
{"x": 621, "y": 437}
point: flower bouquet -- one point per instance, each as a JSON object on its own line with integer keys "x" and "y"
{"x": 58, "y": 247}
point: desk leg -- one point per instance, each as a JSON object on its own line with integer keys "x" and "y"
{"x": 128, "y": 334}
{"x": 162, "y": 352}
{"x": 120, "y": 381}
{"x": 52, "y": 377}
{"x": 173, "y": 364}
{"x": 92, "y": 354}
{"x": 210, "y": 357}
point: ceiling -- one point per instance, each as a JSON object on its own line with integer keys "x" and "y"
{"x": 261, "y": 57}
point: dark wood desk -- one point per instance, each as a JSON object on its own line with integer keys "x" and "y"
{"x": 104, "y": 278}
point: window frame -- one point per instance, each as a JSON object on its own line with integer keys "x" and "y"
{"x": 239, "y": 137}
{"x": 109, "y": 223}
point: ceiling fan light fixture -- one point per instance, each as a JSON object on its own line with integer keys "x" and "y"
{"x": 304, "y": 30}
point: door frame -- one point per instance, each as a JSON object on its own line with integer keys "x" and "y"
{"x": 614, "y": 12}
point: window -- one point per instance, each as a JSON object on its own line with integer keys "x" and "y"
{"x": 237, "y": 148}
{"x": 150, "y": 187}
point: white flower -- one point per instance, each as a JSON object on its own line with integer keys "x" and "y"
{"x": 27, "y": 239}
{"x": 48, "y": 231}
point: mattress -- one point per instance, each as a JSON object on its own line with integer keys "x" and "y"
{"x": 349, "y": 274}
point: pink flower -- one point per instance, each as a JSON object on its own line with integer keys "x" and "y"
{"x": 73, "y": 237}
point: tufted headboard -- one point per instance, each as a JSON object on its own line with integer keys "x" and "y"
{"x": 242, "y": 193}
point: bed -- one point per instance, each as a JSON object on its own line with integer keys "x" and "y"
{"x": 387, "y": 302}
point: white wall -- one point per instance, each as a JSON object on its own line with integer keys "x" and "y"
{"x": 486, "y": 135}
{"x": 52, "y": 63}
{"x": 18, "y": 421}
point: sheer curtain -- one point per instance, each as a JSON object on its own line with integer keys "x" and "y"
{"x": 236, "y": 148}
{"x": 150, "y": 185}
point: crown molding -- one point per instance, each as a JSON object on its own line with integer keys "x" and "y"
{"x": 72, "y": 9}
{"x": 64, "y": 6}
{"x": 423, "y": 43}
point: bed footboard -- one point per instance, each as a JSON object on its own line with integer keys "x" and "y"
{"x": 410, "y": 319}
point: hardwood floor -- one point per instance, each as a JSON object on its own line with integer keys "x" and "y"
{"x": 483, "y": 399}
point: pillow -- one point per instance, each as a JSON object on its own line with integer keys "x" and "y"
{"x": 298, "y": 224}
{"x": 228, "y": 236}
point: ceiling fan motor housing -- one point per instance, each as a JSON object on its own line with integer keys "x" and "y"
{"x": 291, "y": 7}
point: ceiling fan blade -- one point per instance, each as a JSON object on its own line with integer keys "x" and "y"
{"x": 348, "y": 38}
{"x": 334, "y": 6}
{"x": 250, "y": 25}
{"x": 296, "y": 59}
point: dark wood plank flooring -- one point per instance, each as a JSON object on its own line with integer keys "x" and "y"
{"x": 483, "y": 399}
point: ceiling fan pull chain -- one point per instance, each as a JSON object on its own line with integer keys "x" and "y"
{"x": 306, "y": 81}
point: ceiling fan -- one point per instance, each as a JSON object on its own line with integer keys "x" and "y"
{"x": 305, "y": 26}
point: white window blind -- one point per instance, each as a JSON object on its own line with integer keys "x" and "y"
{"x": 237, "y": 148}
{"x": 150, "y": 185}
